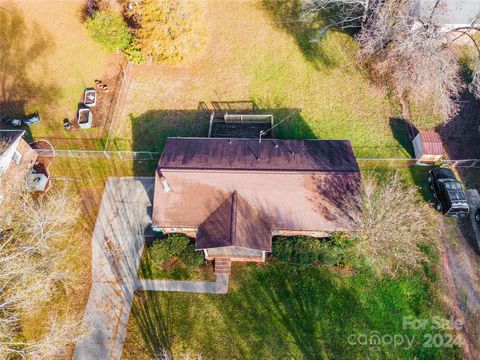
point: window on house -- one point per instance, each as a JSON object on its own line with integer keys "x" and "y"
{"x": 17, "y": 157}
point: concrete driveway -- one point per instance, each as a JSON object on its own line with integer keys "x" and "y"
{"x": 117, "y": 245}
{"x": 118, "y": 239}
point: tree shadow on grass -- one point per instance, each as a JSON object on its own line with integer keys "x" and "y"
{"x": 153, "y": 319}
{"x": 461, "y": 136}
{"x": 22, "y": 47}
{"x": 285, "y": 311}
{"x": 402, "y": 131}
{"x": 293, "y": 311}
{"x": 309, "y": 36}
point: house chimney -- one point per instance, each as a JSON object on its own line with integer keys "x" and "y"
{"x": 166, "y": 187}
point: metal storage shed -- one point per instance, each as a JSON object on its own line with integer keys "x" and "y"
{"x": 428, "y": 147}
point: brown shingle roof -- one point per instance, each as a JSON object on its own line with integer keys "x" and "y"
{"x": 309, "y": 199}
{"x": 235, "y": 223}
{"x": 431, "y": 142}
{"x": 250, "y": 154}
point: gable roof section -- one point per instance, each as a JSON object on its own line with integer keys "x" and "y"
{"x": 235, "y": 223}
{"x": 10, "y": 136}
{"x": 252, "y": 155}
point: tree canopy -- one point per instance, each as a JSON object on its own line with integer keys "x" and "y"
{"x": 110, "y": 30}
{"x": 166, "y": 29}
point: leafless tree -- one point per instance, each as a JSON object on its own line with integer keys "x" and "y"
{"x": 340, "y": 13}
{"x": 4, "y": 144}
{"x": 390, "y": 224}
{"x": 62, "y": 330}
{"x": 405, "y": 48}
{"x": 413, "y": 56}
{"x": 35, "y": 262}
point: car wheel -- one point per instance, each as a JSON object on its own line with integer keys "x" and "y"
{"x": 477, "y": 217}
{"x": 438, "y": 206}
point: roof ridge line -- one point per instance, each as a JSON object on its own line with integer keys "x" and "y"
{"x": 233, "y": 219}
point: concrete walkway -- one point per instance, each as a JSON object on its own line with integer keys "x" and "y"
{"x": 220, "y": 286}
{"x": 117, "y": 245}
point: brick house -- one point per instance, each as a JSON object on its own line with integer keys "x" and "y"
{"x": 17, "y": 158}
{"x": 233, "y": 195}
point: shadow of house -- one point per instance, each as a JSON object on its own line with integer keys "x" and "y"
{"x": 15, "y": 108}
{"x": 403, "y": 132}
{"x": 21, "y": 48}
{"x": 151, "y": 129}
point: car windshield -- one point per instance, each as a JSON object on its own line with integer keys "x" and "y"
{"x": 453, "y": 185}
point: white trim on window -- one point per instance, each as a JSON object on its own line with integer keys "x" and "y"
{"x": 16, "y": 157}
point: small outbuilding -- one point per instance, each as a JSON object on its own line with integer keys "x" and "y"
{"x": 428, "y": 147}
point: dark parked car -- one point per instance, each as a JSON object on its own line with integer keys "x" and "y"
{"x": 30, "y": 120}
{"x": 449, "y": 197}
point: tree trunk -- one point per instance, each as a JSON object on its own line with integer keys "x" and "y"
{"x": 365, "y": 12}
{"x": 405, "y": 107}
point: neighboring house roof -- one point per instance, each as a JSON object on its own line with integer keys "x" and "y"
{"x": 10, "y": 136}
{"x": 431, "y": 142}
{"x": 21, "y": 164}
{"x": 235, "y": 223}
{"x": 300, "y": 192}
{"x": 450, "y": 12}
{"x": 250, "y": 154}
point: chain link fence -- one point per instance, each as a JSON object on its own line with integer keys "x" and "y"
{"x": 152, "y": 155}
{"x": 100, "y": 154}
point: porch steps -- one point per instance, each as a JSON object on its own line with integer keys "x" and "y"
{"x": 223, "y": 266}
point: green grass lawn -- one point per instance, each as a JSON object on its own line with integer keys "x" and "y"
{"x": 48, "y": 59}
{"x": 252, "y": 55}
{"x": 255, "y": 50}
{"x": 279, "y": 311}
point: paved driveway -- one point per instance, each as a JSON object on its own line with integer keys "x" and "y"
{"x": 117, "y": 244}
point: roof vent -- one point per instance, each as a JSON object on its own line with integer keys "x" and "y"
{"x": 253, "y": 152}
{"x": 166, "y": 187}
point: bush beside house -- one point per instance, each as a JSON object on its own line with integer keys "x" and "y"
{"x": 306, "y": 250}
{"x": 110, "y": 30}
{"x": 174, "y": 257}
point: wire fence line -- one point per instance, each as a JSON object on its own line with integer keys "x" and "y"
{"x": 154, "y": 155}
{"x": 100, "y": 154}
{"x": 119, "y": 102}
